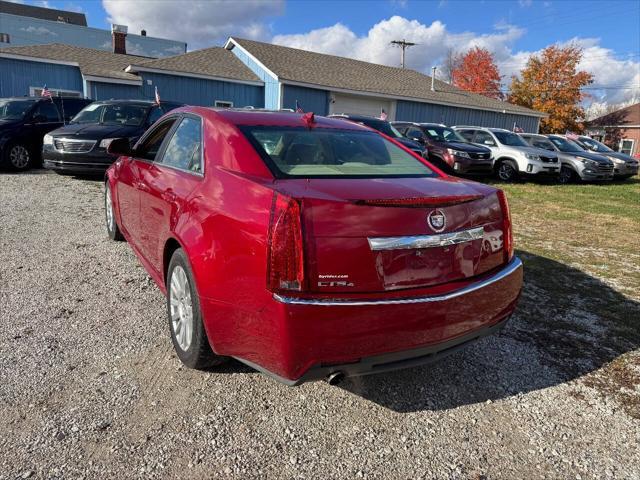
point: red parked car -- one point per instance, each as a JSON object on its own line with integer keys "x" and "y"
{"x": 308, "y": 247}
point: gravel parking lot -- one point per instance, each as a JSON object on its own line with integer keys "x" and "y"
{"x": 90, "y": 386}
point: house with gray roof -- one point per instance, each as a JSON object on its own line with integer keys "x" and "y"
{"x": 250, "y": 73}
{"x": 328, "y": 84}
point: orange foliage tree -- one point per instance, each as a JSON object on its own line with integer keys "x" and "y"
{"x": 476, "y": 71}
{"x": 551, "y": 83}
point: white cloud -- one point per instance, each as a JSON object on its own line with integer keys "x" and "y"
{"x": 525, "y": 3}
{"x": 435, "y": 39}
{"x": 199, "y": 23}
{"x": 39, "y": 31}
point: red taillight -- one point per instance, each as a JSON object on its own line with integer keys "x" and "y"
{"x": 507, "y": 230}
{"x": 285, "y": 258}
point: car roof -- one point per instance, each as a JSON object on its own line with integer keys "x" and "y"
{"x": 271, "y": 118}
{"x": 133, "y": 102}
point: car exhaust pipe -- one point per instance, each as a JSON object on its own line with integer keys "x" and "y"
{"x": 335, "y": 378}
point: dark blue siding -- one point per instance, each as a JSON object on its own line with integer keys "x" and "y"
{"x": 106, "y": 91}
{"x": 310, "y": 99}
{"x": 197, "y": 91}
{"x": 428, "y": 112}
{"x": 16, "y": 76}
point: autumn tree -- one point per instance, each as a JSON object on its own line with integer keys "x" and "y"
{"x": 551, "y": 83}
{"x": 477, "y": 72}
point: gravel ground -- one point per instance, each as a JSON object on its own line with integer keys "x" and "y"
{"x": 90, "y": 386}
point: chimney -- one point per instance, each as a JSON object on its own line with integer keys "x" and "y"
{"x": 119, "y": 38}
{"x": 433, "y": 79}
{"x": 143, "y": 33}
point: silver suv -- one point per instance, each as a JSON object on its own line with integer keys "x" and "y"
{"x": 513, "y": 156}
{"x": 577, "y": 163}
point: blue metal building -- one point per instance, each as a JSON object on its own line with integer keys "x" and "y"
{"x": 22, "y": 24}
{"x": 327, "y": 84}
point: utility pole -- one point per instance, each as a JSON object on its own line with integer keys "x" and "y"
{"x": 403, "y": 44}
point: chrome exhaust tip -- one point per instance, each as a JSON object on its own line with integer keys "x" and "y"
{"x": 335, "y": 378}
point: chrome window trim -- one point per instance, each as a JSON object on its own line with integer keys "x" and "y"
{"x": 511, "y": 268}
{"x": 426, "y": 241}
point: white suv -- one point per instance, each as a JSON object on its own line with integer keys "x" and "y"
{"x": 513, "y": 156}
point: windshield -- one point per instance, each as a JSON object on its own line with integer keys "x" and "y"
{"x": 382, "y": 126}
{"x": 14, "y": 109}
{"x": 540, "y": 142}
{"x": 112, "y": 114}
{"x": 565, "y": 145}
{"x": 595, "y": 145}
{"x": 510, "y": 139}
{"x": 300, "y": 152}
{"x": 442, "y": 134}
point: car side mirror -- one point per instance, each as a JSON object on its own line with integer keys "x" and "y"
{"x": 119, "y": 147}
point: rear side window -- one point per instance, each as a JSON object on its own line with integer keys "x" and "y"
{"x": 301, "y": 152}
{"x": 46, "y": 112}
{"x": 185, "y": 147}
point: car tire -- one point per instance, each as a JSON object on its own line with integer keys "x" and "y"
{"x": 507, "y": 171}
{"x": 17, "y": 157}
{"x": 110, "y": 215}
{"x": 567, "y": 176}
{"x": 185, "y": 318}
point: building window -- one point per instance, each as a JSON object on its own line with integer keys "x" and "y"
{"x": 626, "y": 146}
{"x": 223, "y": 104}
{"x": 4, "y": 38}
{"x": 56, "y": 92}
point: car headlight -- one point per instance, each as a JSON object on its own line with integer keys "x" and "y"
{"x": 458, "y": 153}
{"x": 616, "y": 160}
{"x": 588, "y": 162}
{"x": 105, "y": 142}
{"x": 47, "y": 140}
{"x": 531, "y": 156}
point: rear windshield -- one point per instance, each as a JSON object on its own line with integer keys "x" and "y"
{"x": 302, "y": 152}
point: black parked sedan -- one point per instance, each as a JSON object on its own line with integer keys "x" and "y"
{"x": 80, "y": 148}
{"x": 448, "y": 149}
{"x": 23, "y": 123}
{"x": 386, "y": 128}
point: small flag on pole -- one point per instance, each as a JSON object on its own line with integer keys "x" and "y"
{"x": 157, "y": 96}
{"x": 45, "y": 92}
{"x": 383, "y": 114}
{"x": 517, "y": 128}
{"x": 299, "y": 108}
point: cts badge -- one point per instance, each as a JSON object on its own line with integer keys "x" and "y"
{"x": 437, "y": 221}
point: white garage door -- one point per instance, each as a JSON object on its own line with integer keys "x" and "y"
{"x": 356, "y": 104}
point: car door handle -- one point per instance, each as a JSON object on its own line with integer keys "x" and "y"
{"x": 142, "y": 186}
{"x": 169, "y": 196}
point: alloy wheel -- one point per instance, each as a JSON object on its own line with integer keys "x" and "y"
{"x": 108, "y": 208}
{"x": 181, "y": 307}
{"x": 566, "y": 175}
{"x": 19, "y": 157}
{"x": 506, "y": 171}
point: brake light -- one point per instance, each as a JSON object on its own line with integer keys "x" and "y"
{"x": 285, "y": 263}
{"x": 507, "y": 230}
{"x": 419, "y": 202}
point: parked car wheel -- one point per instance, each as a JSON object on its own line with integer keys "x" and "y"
{"x": 18, "y": 157}
{"x": 567, "y": 175}
{"x": 110, "y": 217}
{"x": 185, "y": 320}
{"x": 507, "y": 171}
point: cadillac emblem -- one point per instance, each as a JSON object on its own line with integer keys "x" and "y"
{"x": 437, "y": 221}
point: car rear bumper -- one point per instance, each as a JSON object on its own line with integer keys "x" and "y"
{"x": 321, "y": 336}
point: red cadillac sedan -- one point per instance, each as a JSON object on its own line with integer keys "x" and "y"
{"x": 309, "y": 247}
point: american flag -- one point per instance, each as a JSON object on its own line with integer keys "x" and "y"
{"x": 572, "y": 136}
{"x": 299, "y": 108}
{"x": 383, "y": 114}
{"x": 157, "y": 96}
{"x": 517, "y": 128}
{"x": 45, "y": 92}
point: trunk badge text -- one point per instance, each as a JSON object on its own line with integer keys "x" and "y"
{"x": 334, "y": 281}
{"x": 437, "y": 221}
